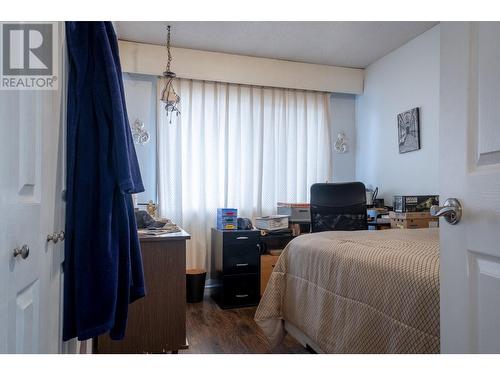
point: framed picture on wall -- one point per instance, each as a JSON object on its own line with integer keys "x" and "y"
{"x": 409, "y": 131}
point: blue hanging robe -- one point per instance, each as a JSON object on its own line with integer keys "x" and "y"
{"x": 103, "y": 266}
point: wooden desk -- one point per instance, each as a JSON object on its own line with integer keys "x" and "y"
{"x": 157, "y": 322}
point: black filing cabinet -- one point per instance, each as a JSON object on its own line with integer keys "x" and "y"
{"x": 236, "y": 266}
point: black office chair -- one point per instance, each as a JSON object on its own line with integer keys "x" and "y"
{"x": 339, "y": 206}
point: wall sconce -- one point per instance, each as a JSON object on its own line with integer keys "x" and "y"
{"x": 340, "y": 145}
{"x": 140, "y": 135}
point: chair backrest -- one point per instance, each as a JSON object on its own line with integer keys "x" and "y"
{"x": 339, "y": 206}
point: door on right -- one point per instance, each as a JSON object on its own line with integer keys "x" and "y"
{"x": 470, "y": 171}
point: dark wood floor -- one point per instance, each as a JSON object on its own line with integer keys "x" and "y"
{"x": 211, "y": 330}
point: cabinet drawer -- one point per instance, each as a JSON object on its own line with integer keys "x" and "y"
{"x": 241, "y": 290}
{"x": 241, "y": 237}
{"x": 241, "y": 259}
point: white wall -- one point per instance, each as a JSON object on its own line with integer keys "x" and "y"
{"x": 406, "y": 78}
{"x": 140, "y": 97}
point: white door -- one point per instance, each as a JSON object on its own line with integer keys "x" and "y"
{"x": 31, "y": 207}
{"x": 470, "y": 171}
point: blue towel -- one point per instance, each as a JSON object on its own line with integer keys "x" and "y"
{"x": 103, "y": 267}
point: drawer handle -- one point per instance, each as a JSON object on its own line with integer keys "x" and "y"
{"x": 241, "y": 295}
{"x": 241, "y": 264}
{"x": 242, "y": 238}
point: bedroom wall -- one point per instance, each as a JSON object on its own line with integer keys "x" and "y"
{"x": 406, "y": 78}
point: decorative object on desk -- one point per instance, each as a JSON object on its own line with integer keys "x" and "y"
{"x": 340, "y": 145}
{"x": 168, "y": 95}
{"x": 409, "y": 131}
{"x": 140, "y": 135}
{"x": 244, "y": 223}
{"x": 272, "y": 222}
{"x": 227, "y": 218}
{"x": 152, "y": 209}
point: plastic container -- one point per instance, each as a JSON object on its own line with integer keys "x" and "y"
{"x": 227, "y": 218}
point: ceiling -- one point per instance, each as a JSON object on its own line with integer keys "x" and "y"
{"x": 349, "y": 44}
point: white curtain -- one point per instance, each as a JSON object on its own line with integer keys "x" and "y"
{"x": 238, "y": 146}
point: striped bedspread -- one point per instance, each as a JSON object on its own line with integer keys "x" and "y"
{"x": 357, "y": 292}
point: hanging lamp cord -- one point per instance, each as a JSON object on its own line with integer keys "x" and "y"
{"x": 169, "y": 59}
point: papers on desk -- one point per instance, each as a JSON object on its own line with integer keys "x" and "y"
{"x": 169, "y": 227}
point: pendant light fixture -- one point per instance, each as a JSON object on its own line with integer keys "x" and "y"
{"x": 168, "y": 96}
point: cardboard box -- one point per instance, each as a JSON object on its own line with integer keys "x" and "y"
{"x": 410, "y": 215}
{"x": 414, "y": 203}
{"x": 413, "y": 220}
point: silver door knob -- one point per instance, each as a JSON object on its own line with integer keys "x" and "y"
{"x": 451, "y": 210}
{"x": 24, "y": 251}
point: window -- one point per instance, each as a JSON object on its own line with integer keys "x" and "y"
{"x": 238, "y": 146}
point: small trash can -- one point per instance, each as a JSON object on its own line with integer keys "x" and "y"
{"x": 195, "y": 285}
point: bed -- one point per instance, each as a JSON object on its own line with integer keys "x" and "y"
{"x": 356, "y": 292}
